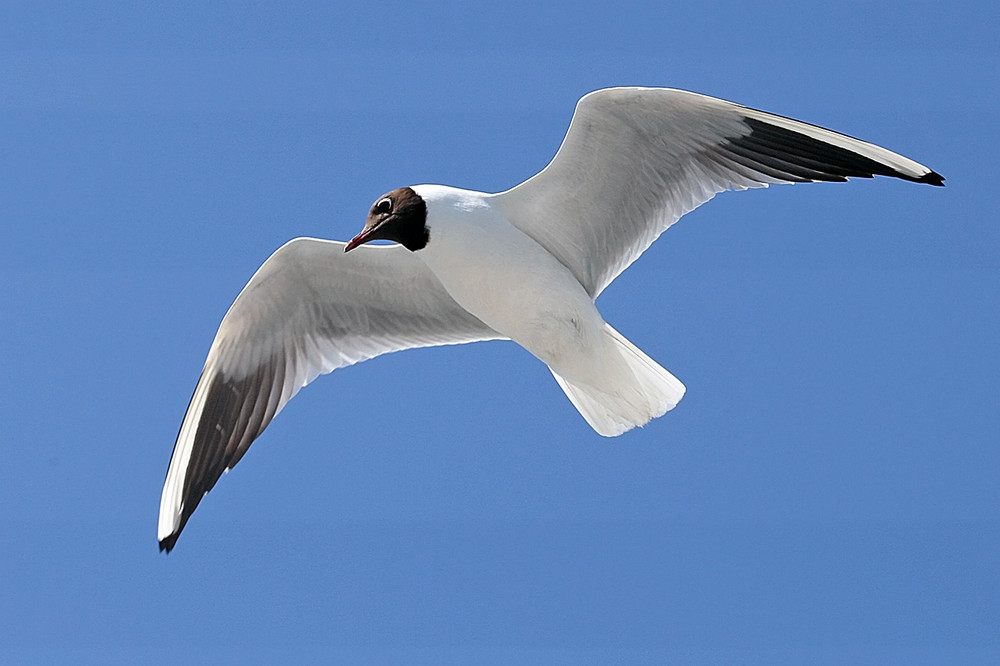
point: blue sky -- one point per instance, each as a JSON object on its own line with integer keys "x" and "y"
{"x": 825, "y": 493}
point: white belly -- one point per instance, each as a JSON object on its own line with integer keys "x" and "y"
{"x": 513, "y": 284}
{"x": 519, "y": 289}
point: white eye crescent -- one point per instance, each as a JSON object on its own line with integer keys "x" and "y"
{"x": 383, "y": 206}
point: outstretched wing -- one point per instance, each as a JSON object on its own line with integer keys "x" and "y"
{"x": 311, "y": 308}
{"x": 636, "y": 159}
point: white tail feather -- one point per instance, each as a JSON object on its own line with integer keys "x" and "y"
{"x": 648, "y": 392}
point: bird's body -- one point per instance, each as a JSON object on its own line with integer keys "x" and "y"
{"x": 526, "y": 264}
{"x": 493, "y": 269}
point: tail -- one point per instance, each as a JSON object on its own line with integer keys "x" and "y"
{"x": 648, "y": 391}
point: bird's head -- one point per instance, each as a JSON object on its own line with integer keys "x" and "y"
{"x": 399, "y": 216}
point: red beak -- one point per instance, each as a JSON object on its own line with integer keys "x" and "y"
{"x": 360, "y": 239}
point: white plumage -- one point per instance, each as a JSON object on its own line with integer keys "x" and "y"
{"x": 525, "y": 264}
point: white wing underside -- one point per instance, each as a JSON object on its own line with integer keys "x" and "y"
{"x": 636, "y": 159}
{"x": 311, "y": 308}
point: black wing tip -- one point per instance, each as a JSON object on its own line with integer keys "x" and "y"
{"x": 167, "y": 543}
{"x": 932, "y": 178}
{"x": 213, "y": 454}
{"x": 794, "y": 154}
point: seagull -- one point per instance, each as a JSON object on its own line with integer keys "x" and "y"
{"x": 525, "y": 265}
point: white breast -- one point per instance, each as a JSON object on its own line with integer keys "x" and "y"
{"x": 505, "y": 278}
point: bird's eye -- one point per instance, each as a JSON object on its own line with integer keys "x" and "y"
{"x": 384, "y": 206}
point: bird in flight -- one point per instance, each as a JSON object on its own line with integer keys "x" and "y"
{"x": 523, "y": 265}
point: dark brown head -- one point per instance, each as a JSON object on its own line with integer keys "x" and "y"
{"x": 400, "y": 216}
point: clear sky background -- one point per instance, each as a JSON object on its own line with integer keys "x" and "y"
{"x": 827, "y": 491}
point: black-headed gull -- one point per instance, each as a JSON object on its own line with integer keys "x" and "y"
{"x": 524, "y": 265}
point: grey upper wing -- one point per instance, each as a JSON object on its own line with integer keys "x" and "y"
{"x": 309, "y": 309}
{"x": 636, "y": 159}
